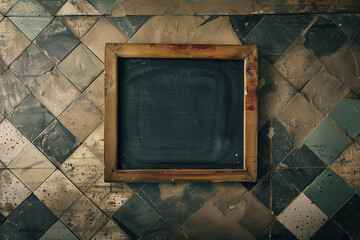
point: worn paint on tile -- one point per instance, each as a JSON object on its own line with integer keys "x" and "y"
{"x": 32, "y": 178}
{"x": 77, "y": 7}
{"x": 31, "y": 64}
{"x": 102, "y": 32}
{"x": 12, "y": 41}
{"x": 55, "y": 91}
{"x": 298, "y": 65}
{"x": 79, "y": 25}
{"x": 9, "y": 231}
{"x": 84, "y": 218}
{"x": 28, "y": 8}
{"x": 302, "y": 217}
{"x": 58, "y": 231}
{"x": 2, "y": 165}
{"x": 52, "y": 193}
{"x": 52, "y": 6}
{"x": 81, "y": 118}
{"x": 3, "y": 66}
{"x": 298, "y": 123}
{"x": 243, "y": 24}
{"x": 111, "y": 231}
{"x": 104, "y": 7}
{"x": 333, "y": 194}
{"x": 31, "y": 26}
{"x": 12, "y": 142}
{"x": 109, "y": 196}
{"x": 13, "y": 192}
{"x": 56, "y": 142}
{"x": 128, "y": 25}
{"x": 31, "y": 157}
{"x": 81, "y": 67}
{"x": 330, "y": 231}
{"x": 56, "y": 41}
{"x": 95, "y": 142}
{"x": 5, "y": 5}
{"x": 96, "y": 91}
{"x": 347, "y": 166}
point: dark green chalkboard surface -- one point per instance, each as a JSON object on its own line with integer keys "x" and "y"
{"x": 180, "y": 113}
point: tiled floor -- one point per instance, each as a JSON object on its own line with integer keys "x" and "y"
{"x": 52, "y": 142}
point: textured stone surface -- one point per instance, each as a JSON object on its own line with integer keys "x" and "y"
{"x": 28, "y": 8}
{"x": 58, "y": 231}
{"x": 95, "y": 92}
{"x": 77, "y": 7}
{"x": 111, "y": 231}
{"x": 79, "y": 25}
{"x": 128, "y": 25}
{"x": 31, "y": 26}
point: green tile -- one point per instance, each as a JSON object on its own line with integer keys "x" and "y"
{"x": 31, "y": 26}
{"x": 28, "y": 8}
{"x": 326, "y": 142}
{"x": 329, "y": 192}
{"x": 52, "y": 6}
{"x": 58, "y": 231}
{"x": 347, "y": 115}
{"x": 104, "y": 7}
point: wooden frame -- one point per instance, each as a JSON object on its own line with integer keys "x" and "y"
{"x": 248, "y": 53}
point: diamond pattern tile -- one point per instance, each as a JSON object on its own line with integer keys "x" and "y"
{"x": 79, "y": 25}
{"x": 295, "y": 24}
{"x": 52, "y": 6}
{"x": 330, "y": 231}
{"x": 28, "y": 8}
{"x": 111, "y": 231}
{"x": 5, "y": 5}
{"x": 102, "y": 6}
{"x": 3, "y": 66}
{"x": 9, "y": 231}
{"x": 32, "y": 178}
{"x": 31, "y": 26}
{"x": 95, "y": 92}
{"x": 277, "y": 231}
{"x": 56, "y": 41}
{"x": 348, "y": 23}
{"x": 158, "y": 230}
{"x": 31, "y": 157}
{"x": 84, "y": 218}
{"x": 58, "y": 231}
{"x": 244, "y": 24}
{"x": 31, "y": 64}
{"x": 52, "y": 192}
{"x": 128, "y": 25}
{"x": 95, "y": 142}
{"x": 77, "y": 7}
{"x": 81, "y": 67}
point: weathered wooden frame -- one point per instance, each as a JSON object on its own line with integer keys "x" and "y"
{"x": 248, "y": 53}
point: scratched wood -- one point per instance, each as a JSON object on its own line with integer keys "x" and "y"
{"x": 247, "y": 53}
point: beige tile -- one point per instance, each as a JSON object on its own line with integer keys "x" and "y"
{"x": 111, "y": 231}
{"x": 55, "y": 91}
{"x": 83, "y": 168}
{"x": 347, "y": 166}
{"x": 300, "y": 117}
{"x": 58, "y": 193}
{"x": 5, "y": 5}
{"x": 2, "y": 165}
{"x": 84, "y": 218}
{"x": 79, "y": 25}
{"x": 77, "y": 7}
{"x": 95, "y": 142}
{"x": 109, "y": 197}
{"x": 12, "y": 192}
{"x": 96, "y": 92}
{"x": 32, "y": 177}
{"x": 81, "y": 118}
{"x": 102, "y": 32}
{"x": 12, "y": 142}
{"x": 12, "y": 41}
{"x": 186, "y": 29}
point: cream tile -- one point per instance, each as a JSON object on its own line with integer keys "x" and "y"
{"x": 95, "y": 142}
{"x": 79, "y": 25}
{"x": 32, "y": 177}
{"x": 96, "y": 92}
{"x": 111, "y": 231}
{"x": 77, "y": 7}
{"x": 31, "y": 157}
{"x": 5, "y": 5}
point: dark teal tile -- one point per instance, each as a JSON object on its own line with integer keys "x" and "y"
{"x": 135, "y": 216}
{"x": 329, "y": 192}
{"x": 128, "y": 25}
{"x": 9, "y": 232}
{"x": 301, "y": 177}
{"x": 2, "y": 219}
{"x": 281, "y": 142}
{"x": 28, "y": 8}
{"x": 263, "y": 168}
{"x": 302, "y": 157}
{"x": 136, "y": 187}
{"x": 104, "y": 7}
{"x": 264, "y": 141}
{"x": 31, "y": 26}
{"x": 242, "y": 25}
{"x": 330, "y": 231}
{"x": 277, "y": 231}
{"x": 326, "y": 142}
{"x": 295, "y": 24}
{"x": 347, "y": 115}
{"x": 56, "y": 142}
{"x": 31, "y": 117}
{"x": 32, "y": 218}
{"x": 324, "y": 37}
{"x": 159, "y": 231}
{"x": 358, "y": 191}
{"x": 58, "y": 231}
{"x": 31, "y": 64}
{"x": 271, "y": 37}
{"x": 53, "y": 6}
{"x": 348, "y": 23}
{"x": 56, "y": 41}
{"x": 348, "y": 217}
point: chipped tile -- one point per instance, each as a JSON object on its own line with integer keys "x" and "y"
{"x": 330, "y": 231}
{"x": 111, "y": 231}
{"x": 56, "y": 142}
{"x": 79, "y": 25}
{"x": 81, "y": 67}
{"x": 31, "y": 26}
{"x": 83, "y": 168}
{"x": 31, "y": 64}
{"x": 5, "y": 5}
{"x": 55, "y": 91}
{"x": 12, "y": 41}
{"x": 244, "y": 24}
{"x": 52, "y": 192}
{"x": 84, "y": 219}
{"x": 31, "y": 117}
{"x": 326, "y": 142}
{"x": 298, "y": 123}
{"x": 28, "y": 8}
{"x": 347, "y": 115}
{"x": 333, "y": 194}
{"x": 96, "y": 91}
{"x": 297, "y": 64}
{"x": 56, "y": 41}
{"x": 302, "y": 217}
{"x": 12, "y": 142}
{"x": 95, "y": 142}
{"x": 52, "y": 6}
{"x": 104, "y": 7}
{"x": 325, "y": 90}
{"x": 13, "y": 192}
{"x": 32, "y": 178}
{"x": 186, "y": 29}
{"x": 109, "y": 197}
{"x": 347, "y": 166}
{"x": 102, "y": 32}
{"x": 295, "y": 24}
{"x": 81, "y": 118}
{"x": 128, "y": 25}
{"x": 77, "y": 7}
{"x": 58, "y": 231}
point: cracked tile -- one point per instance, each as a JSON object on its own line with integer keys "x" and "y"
{"x": 55, "y": 91}
{"x": 31, "y": 26}
{"x": 28, "y": 8}
{"x": 81, "y": 67}
{"x": 95, "y": 142}
{"x": 84, "y": 219}
{"x": 52, "y": 192}
{"x": 95, "y": 92}
{"x": 128, "y": 25}
{"x": 58, "y": 231}
{"x": 77, "y": 7}
{"x": 111, "y": 231}
{"x": 79, "y": 25}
